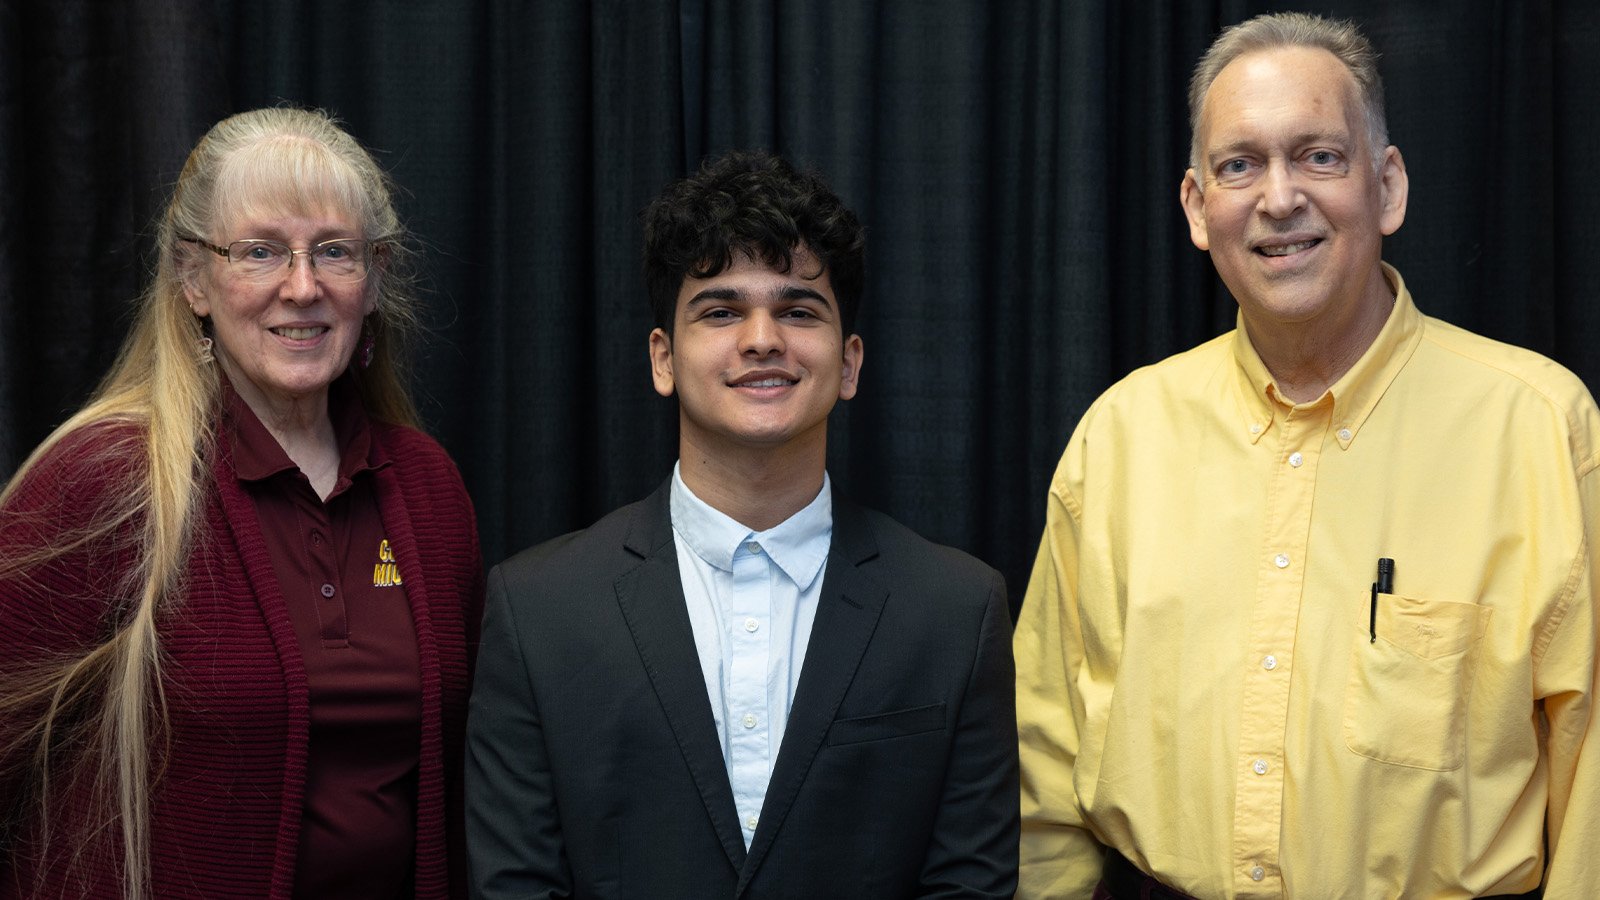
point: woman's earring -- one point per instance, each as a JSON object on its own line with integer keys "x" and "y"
{"x": 203, "y": 350}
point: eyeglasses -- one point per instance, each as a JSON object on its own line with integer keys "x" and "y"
{"x": 258, "y": 260}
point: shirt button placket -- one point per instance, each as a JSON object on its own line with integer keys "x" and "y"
{"x": 1285, "y": 554}
{"x": 746, "y": 683}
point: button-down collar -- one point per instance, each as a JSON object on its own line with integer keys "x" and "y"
{"x": 1354, "y": 395}
{"x": 798, "y": 545}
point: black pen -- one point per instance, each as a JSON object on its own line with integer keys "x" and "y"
{"x": 1384, "y": 585}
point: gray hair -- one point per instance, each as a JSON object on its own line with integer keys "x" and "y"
{"x": 1340, "y": 37}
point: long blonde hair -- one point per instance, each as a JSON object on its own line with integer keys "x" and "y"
{"x": 98, "y": 717}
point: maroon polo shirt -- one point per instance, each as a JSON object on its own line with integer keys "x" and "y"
{"x": 338, "y": 576}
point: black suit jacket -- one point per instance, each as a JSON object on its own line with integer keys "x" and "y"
{"x": 595, "y": 769}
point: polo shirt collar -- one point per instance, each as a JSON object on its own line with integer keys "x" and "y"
{"x": 257, "y": 455}
{"x": 798, "y": 545}
{"x": 1354, "y": 395}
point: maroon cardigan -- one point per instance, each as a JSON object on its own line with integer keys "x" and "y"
{"x": 226, "y": 808}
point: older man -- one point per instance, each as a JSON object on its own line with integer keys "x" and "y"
{"x": 1314, "y": 610}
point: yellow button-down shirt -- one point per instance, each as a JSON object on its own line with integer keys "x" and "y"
{"x": 1197, "y": 684}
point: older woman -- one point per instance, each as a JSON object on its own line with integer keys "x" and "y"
{"x": 238, "y": 590}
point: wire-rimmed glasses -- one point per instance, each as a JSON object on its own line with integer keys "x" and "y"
{"x": 343, "y": 259}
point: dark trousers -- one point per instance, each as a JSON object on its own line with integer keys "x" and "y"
{"x": 1122, "y": 880}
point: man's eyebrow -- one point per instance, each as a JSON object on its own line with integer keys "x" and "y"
{"x": 797, "y": 292}
{"x": 709, "y": 295}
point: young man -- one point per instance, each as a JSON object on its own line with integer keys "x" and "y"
{"x": 745, "y": 685}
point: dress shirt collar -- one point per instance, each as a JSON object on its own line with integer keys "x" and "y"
{"x": 1354, "y": 395}
{"x": 798, "y": 544}
{"x": 257, "y": 455}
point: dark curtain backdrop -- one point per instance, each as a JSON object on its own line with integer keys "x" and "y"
{"x": 1017, "y": 165}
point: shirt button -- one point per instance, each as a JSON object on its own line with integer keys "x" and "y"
{"x": 1270, "y": 663}
{"x": 1281, "y": 560}
{"x": 751, "y": 625}
{"x": 749, "y": 720}
{"x": 750, "y": 822}
{"x": 1344, "y": 434}
{"x": 327, "y": 591}
{"x": 753, "y": 547}
{"x": 1255, "y": 429}
{"x": 316, "y": 538}
{"x": 1259, "y": 767}
{"x": 1257, "y": 873}
{"x": 1296, "y": 460}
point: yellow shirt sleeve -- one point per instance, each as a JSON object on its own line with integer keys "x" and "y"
{"x": 1059, "y": 856}
{"x": 1568, "y": 682}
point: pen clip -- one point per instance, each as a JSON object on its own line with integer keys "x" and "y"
{"x": 1372, "y": 621}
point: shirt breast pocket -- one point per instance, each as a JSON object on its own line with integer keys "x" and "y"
{"x": 1406, "y": 702}
{"x": 900, "y": 723}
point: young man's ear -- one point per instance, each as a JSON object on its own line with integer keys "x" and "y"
{"x": 661, "y": 362}
{"x": 853, "y": 353}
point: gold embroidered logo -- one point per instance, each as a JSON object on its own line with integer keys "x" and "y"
{"x": 385, "y": 573}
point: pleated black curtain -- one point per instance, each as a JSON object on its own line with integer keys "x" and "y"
{"x": 1016, "y": 163}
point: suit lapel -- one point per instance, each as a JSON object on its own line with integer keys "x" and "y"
{"x": 651, "y": 597}
{"x": 847, "y": 615}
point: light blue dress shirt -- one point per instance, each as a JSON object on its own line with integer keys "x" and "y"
{"x": 752, "y": 597}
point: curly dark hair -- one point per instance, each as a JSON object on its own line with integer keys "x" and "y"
{"x": 753, "y": 203}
